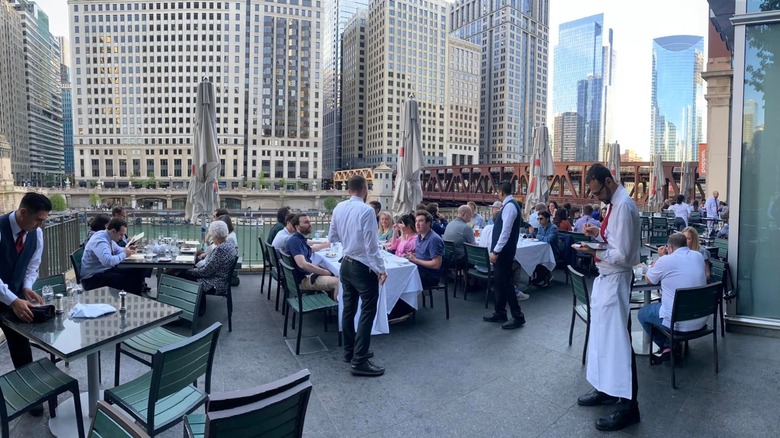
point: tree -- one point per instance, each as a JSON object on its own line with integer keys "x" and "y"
{"x": 300, "y": 185}
{"x": 283, "y": 183}
{"x": 94, "y": 199}
{"x": 262, "y": 181}
{"x": 58, "y": 202}
{"x": 330, "y": 203}
{"x": 150, "y": 181}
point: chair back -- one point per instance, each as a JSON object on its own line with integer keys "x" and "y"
{"x": 75, "y": 260}
{"x": 273, "y": 259}
{"x": 287, "y": 258}
{"x": 57, "y": 282}
{"x": 280, "y": 415}
{"x": 182, "y": 294}
{"x": 263, "y": 251}
{"x": 109, "y": 422}
{"x": 233, "y": 274}
{"x": 657, "y": 240}
{"x": 478, "y": 256}
{"x": 449, "y": 249}
{"x": 723, "y": 248}
{"x": 288, "y": 272}
{"x": 659, "y": 224}
{"x": 645, "y": 222}
{"x": 175, "y": 367}
{"x": 575, "y": 237}
{"x": 694, "y": 217}
{"x": 719, "y": 272}
{"x": 579, "y": 287}
{"x": 234, "y": 399}
{"x": 669, "y": 214}
{"x": 696, "y": 302}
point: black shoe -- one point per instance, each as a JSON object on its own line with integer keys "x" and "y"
{"x": 348, "y": 357}
{"x": 596, "y": 398}
{"x": 513, "y": 324}
{"x": 618, "y": 420}
{"x": 367, "y": 368}
{"x": 659, "y": 359}
{"x": 495, "y": 318}
{"x": 36, "y": 411}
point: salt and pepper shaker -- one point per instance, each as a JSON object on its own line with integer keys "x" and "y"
{"x": 59, "y": 303}
{"x": 122, "y": 305}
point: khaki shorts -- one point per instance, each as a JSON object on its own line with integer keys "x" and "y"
{"x": 327, "y": 283}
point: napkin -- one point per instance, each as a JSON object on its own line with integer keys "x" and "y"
{"x": 185, "y": 258}
{"x": 91, "y": 310}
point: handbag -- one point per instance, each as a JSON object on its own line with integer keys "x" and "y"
{"x": 42, "y": 313}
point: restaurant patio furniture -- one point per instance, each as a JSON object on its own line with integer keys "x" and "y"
{"x": 303, "y": 304}
{"x": 75, "y": 260}
{"x": 478, "y": 256}
{"x": 580, "y": 307}
{"x": 442, "y": 286}
{"x": 273, "y": 260}
{"x": 110, "y": 422}
{"x": 719, "y": 272}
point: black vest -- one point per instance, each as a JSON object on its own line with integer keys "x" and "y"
{"x": 511, "y": 245}
{"x": 14, "y": 266}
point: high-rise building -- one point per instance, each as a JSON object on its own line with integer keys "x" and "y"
{"x": 677, "y": 97}
{"x": 13, "y": 95}
{"x": 64, "y": 59}
{"x": 137, "y": 65}
{"x": 44, "y": 103}
{"x": 67, "y": 130}
{"x": 514, "y": 39}
{"x": 353, "y": 99}
{"x": 584, "y": 59}
{"x": 462, "y": 97}
{"x": 566, "y": 131}
{"x": 336, "y": 15}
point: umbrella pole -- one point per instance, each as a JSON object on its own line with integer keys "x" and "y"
{"x": 203, "y": 228}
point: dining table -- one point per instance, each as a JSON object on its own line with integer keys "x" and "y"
{"x": 529, "y": 254}
{"x": 183, "y": 260}
{"x": 648, "y": 292}
{"x": 70, "y": 338}
{"x": 402, "y": 283}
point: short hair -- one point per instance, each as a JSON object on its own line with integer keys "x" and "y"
{"x": 376, "y": 204}
{"x": 587, "y": 209}
{"x": 463, "y": 209}
{"x": 420, "y": 206}
{"x": 99, "y": 222}
{"x": 117, "y": 211}
{"x": 545, "y": 214}
{"x": 677, "y": 240}
{"x": 407, "y": 220}
{"x": 116, "y": 224}
{"x": 288, "y": 219}
{"x": 505, "y": 187}
{"x": 540, "y": 206}
{"x": 35, "y": 202}
{"x": 680, "y": 199}
{"x": 695, "y": 203}
{"x": 226, "y": 219}
{"x": 599, "y": 172}
{"x": 577, "y": 210}
{"x": 567, "y": 205}
{"x": 472, "y": 205}
{"x": 356, "y": 183}
{"x": 281, "y": 214}
{"x": 296, "y": 220}
{"x": 428, "y": 216}
{"x": 219, "y": 230}
{"x": 432, "y": 208}
{"x": 221, "y": 212}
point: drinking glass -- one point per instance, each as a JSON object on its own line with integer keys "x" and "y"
{"x": 48, "y": 294}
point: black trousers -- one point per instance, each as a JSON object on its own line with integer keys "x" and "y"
{"x": 359, "y": 283}
{"x": 130, "y": 280}
{"x": 18, "y": 345}
{"x": 503, "y": 290}
{"x": 633, "y": 403}
{"x": 428, "y": 278}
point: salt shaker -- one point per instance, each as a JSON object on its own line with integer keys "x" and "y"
{"x": 122, "y": 306}
{"x": 59, "y": 304}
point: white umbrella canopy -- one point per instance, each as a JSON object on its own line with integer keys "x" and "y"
{"x": 541, "y": 166}
{"x": 657, "y": 181}
{"x": 686, "y": 180}
{"x": 203, "y": 195}
{"x": 408, "y": 191}
{"x": 613, "y": 161}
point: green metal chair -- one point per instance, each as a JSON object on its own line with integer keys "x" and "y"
{"x": 580, "y": 308}
{"x": 478, "y": 256}
{"x": 449, "y": 254}
{"x": 174, "y": 291}
{"x": 302, "y": 304}
{"x": 659, "y": 228}
{"x": 219, "y": 419}
{"x": 228, "y": 295}
{"x": 57, "y": 282}
{"x": 645, "y": 227}
{"x": 273, "y": 261}
{"x": 267, "y": 267}
{"x": 109, "y": 422}
{"x": 75, "y": 260}
{"x": 719, "y": 272}
{"x": 31, "y": 385}
{"x": 723, "y": 249}
{"x": 442, "y": 286}
{"x": 159, "y": 399}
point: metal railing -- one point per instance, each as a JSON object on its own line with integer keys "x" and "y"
{"x": 61, "y": 236}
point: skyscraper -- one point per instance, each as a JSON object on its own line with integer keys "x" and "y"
{"x": 336, "y": 15}
{"x": 677, "y": 97}
{"x": 566, "y": 131}
{"x": 353, "y": 74}
{"x": 583, "y": 76}
{"x": 513, "y": 37}
{"x": 13, "y": 117}
{"x": 67, "y": 106}
{"x": 462, "y": 97}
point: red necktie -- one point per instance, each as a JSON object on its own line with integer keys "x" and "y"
{"x": 20, "y": 241}
{"x": 604, "y": 224}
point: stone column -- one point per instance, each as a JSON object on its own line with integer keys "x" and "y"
{"x": 719, "y": 76}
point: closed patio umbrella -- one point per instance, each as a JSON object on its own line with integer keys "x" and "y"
{"x": 686, "y": 181}
{"x": 408, "y": 191}
{"x": 541, "y": 166}
{"x": 203, "y": 194}
{"x": 613, "y": 161}
{"x": 657, "y": 181}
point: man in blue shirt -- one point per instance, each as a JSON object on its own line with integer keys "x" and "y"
{"x": 547, "y": 232}
{"x": 308, "y": 275}
{"x": 586, "y": 218}
{"x": 102, "y": 254}
{"x": 429, "y": 251}
{"x": 439, "y": 222}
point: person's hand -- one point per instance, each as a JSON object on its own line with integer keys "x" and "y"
{"x": 382, "y": 277}
{"x": 590, "y": 230}
{"x": 32, "y": 296}
{"x": 411, "y": 257}
{"x": 584, "y": 249}
{"x": 129, "y": 251}
{"x": 493, "y": 258}
{"x": 21, "y": 309}
{"x": 662, "y": 250}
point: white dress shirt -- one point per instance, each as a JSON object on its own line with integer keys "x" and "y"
{"x": 6, "y": 295}
{"x": 508, "y": 216}
{"x": 623, "y": 235}
{"x": 681, "y": 269}
{"x": 354, "y": 225}
{"x": 711, "y": 207}
{"x": 280, "y": 239}
{"x": 682, "y": 211}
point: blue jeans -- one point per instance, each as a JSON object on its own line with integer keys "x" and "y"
{"x": 648, "y": 317}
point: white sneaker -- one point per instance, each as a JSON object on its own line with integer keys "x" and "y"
{"x": 522, "y": 296}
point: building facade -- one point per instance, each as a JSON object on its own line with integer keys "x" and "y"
{"x": 13, "y": 95}
{"x": 566, "y": 132}
{"x": 67, "y": 130}
{"x": 677, "y": 97}
{"x": 136, "y": 67}
{"x": 353, "y": 74}
{"x": 513, "y": 36}
{"x": 462, "y": 102}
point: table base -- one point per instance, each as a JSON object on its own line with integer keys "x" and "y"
{"x": 641, "y": 347}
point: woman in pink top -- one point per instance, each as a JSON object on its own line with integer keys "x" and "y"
{"x": 404, "y": 238}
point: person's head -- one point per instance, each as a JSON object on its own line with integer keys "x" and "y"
{"x": 119, "y": 212}
{"x": 540, "y": 206}
{"x": 220, "y": 212}
{"x": 725, "y": 215}
{"x": 99, "y": 222}
{"x": 603, "y": 212}
{"x": 281, "y": 214}
{"x": 464, "y": 212}
{"x": 680, "y": 199}
{"x": 407, "y": 222}
{"x": 385, "y": 220}
{"x": 691, "y": 238}
{"x": 544, "y": 218}
{"x": 301, "y": 223}
{"x": 433, "y": 209}
{"x": 473, "y": 206}
{"x": 420, "y": 206}
{"x": 288, "y": 222}
{"x": 117, "y": 228}
{"x": 576, "y": 212}
{"x": 495, "y": 207}
{"x": 677, "y": 241}
{"x": 504, "y": 189}
{"x": 32, "y": 211}
{"x": 696, "y": 204}
{"x": 226, "y": 219}
{"x": 600, "y": 182}
{"x": 552, "y": 206}
{"x": 722, "y": 203}
{"x": 423, "y": 221}
{"x": 357, "y": 186}
{"x": 560, "y": 215}
{"x": 587, "y": 210}
{"x": 377, "y": 206}
{"x": 219, "y": 232}
{"x": 715, "y": 194}
{"x": 567, "y": 206}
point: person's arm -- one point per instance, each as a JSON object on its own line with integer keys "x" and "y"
{"x": 212, "y": 266}
{"x": 619, "y": 252}
{"x": 333, "y": 231}
{"x": 508, "y": 215}
{"x": 468, "y": 233}
{"x": 370, "y": 237}
{"x": 655, "y": 273}
{"x": 35, "y": 262}
{"x": 300, "y": 260}
{"x": 102, "y": 251}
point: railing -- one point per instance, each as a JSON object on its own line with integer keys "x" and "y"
{"x": 61, "y": 236}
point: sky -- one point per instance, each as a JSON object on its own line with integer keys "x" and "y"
{"x": 634, "y": 29}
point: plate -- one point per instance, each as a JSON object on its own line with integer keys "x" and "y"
{"x": 136, "y": 257}
{"x": 189, "y": 250}
{"x": 596, "y": 245}
{"x": 164, "y": 259}
{"x": 331, "y": 255}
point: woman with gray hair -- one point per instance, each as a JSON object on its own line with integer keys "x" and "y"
{"x": 216, "y": 269}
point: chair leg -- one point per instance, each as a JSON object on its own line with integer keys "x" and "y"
{"x": 286, "y": 315}
{"x": 117, "y": 358}
{"x": 571, "y": 326}
{"x": 455, "y": 284}
{"x": 77, "y": 406}
{"x": 300, "y": 330}
{"x": 230, "y": 310}
{"x": 487, "y": 293}
{"x": 293, "y": 319}
{"x": 277, "y": 296}
{"x": 262, "y": 282}
{"x": 446, "y": 301}
{"x": 585, "y": 347}
{"x": 671, "y": 362}
{"x": 341, "y": 339}
{"x": 423, "y": 297}
{"x": 430, "y": 295}
{"x": 466, "y": 287}
{"x": 715, "y": 349}
{"x": 722, "y": 318}
{"x": 52, "y": 402}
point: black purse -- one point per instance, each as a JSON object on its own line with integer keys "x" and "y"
{"x": 42, "y": 313}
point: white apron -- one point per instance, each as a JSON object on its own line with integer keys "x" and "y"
{"x": 609, "y": 345}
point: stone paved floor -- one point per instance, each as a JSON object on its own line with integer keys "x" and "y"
{"x": 467, "y": 378}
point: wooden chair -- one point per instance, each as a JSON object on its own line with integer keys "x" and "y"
{"x": 273, "y": 261}
{"x": 31, "y": 385}
{"x": 277, "y": 409}
{"x": 692, "y": 303}
{"x": 719, "y": 272}
{"x": 159, "y": 399}
{"x": 110, "y": 422}
{"x": 478, "y": 256}
{"x": 441, "y": 286}
{"x": 580, "y": 307}
{"x": 174, "y": 291}
{"x": 75, "y": 261}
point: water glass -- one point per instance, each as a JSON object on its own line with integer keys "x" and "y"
{"x": 317, "y": 234}
{"x": 175, "y": 250}
{"x": 175, "y": 237}
{"x": 48, "y": 294}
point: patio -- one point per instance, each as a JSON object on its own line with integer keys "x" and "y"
{"x": 464, "y": 377}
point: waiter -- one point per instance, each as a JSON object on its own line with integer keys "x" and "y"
{"x": 611, "y": 361}
{"x": 362, "y": 271}
{"x": 21, "y": 247}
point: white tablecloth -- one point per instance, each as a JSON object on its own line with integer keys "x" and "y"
{"x": 403, "y": 282}
{"x": 531, "y": 253}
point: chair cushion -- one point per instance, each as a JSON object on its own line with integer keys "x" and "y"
{"x": 151, "y": 341}
{"x": 31, "y": 384}
{"x": 313, "y": 302}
